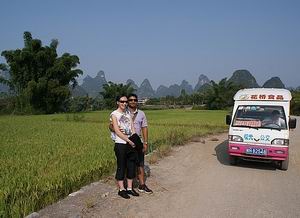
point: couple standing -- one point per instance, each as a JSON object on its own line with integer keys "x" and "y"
{"x": 127, "y": 121}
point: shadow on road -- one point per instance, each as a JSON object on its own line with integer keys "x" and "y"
{"x": 223, "y": 157}
{"x": 222, "y": 153}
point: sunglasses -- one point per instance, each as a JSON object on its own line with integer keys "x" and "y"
{"x": 123, "y": 101}
{"x": 135, "y": 100}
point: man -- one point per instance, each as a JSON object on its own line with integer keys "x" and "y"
{"x": 274, "y": 120}
{"x": 141, "y": 128}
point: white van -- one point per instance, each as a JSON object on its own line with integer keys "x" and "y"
{"x": 259, "y": 128}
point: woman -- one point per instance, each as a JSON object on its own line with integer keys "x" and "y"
{"x": 126, "y": 162}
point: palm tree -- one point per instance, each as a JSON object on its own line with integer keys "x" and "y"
{"x": 112, "y": 90}
{"x": 220, "y": 96}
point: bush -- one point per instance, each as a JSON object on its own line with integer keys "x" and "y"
{"x": 199, "y": 107}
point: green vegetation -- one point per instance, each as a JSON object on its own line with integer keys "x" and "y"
{"x": 221, "y": 94}
{"x": 45, "y": 157}
{"x": 216, "y": 96}
{"x": 39, "y": 79}
{"x": 295, "y": 103}
{"x": 112, "y": 90}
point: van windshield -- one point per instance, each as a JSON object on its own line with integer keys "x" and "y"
{"x": 260, "y": 116}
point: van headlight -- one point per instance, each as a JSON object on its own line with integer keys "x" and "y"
{"x": 280, "y": 142}
{"x": 235, "y": 138}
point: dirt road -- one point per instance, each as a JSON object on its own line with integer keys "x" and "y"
{"x": 196, "y": 180}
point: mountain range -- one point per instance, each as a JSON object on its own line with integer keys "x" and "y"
{"x": 92, "y": 86}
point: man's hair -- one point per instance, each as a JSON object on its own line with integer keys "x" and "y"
{"x": 132, "y": 95}
{"x": 275, "y": 112}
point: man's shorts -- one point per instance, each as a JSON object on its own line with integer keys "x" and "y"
{"x": 141, "y": 158}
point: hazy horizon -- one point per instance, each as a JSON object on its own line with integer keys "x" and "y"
{"x": 165, "y": 41}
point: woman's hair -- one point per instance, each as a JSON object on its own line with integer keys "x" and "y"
{"x": 119, "y": 97}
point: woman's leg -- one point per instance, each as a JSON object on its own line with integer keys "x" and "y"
{"x": 129, "y": 184}
{"x": 121, "y": 155}
{"x": 121, "y": 184}
{"x": 131, "y": 173}
{"x": 131, "y": 166}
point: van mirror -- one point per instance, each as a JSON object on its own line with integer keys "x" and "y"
{"x": 228, "y": 119}
{"x": 292, "y": 123}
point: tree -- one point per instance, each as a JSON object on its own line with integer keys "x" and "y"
{"x": 198, "y": 98}
{"x": 295, "y": 103}
{"x": 112, "y": 90}
{"x": 183, "y": 98}
{"x": 38, "y": 77}
{"x": 220, "y": 96}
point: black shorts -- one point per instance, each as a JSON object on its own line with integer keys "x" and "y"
{"x": 141, "y": 158}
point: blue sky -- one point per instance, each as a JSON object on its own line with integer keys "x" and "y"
{"x": 164, "y": 41}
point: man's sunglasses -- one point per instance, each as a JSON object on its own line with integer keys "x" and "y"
{"x": 123, "y": 101}
{"x": 135, "y": 100}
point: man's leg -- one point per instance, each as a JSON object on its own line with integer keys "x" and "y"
{"x": 141, "y": 174}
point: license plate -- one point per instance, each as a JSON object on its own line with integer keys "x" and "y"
{"x": 256, "y": 151}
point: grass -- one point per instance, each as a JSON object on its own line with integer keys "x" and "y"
{"x": 45, "y": 157}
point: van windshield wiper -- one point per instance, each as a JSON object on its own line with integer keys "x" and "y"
{"x": 251, "y": 127}
{"x": 279, "y": 129}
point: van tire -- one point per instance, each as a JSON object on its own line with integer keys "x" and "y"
{"x": 232, "y": 160}
{"x": 284, "y": 164}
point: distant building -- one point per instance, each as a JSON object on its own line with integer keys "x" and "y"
{"x": 143, "y": 101}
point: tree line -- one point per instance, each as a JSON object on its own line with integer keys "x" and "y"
{"x": 41, "y": 82}
{"x": 217, "y": 96}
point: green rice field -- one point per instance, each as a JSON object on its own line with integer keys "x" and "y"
{"x": 43, "y": 158}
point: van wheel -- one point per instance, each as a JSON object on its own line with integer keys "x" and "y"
{"x": 284, "y": 164}
{"x": 232, "y": 160}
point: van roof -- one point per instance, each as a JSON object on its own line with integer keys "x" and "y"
{"x": 263, "y": 94}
